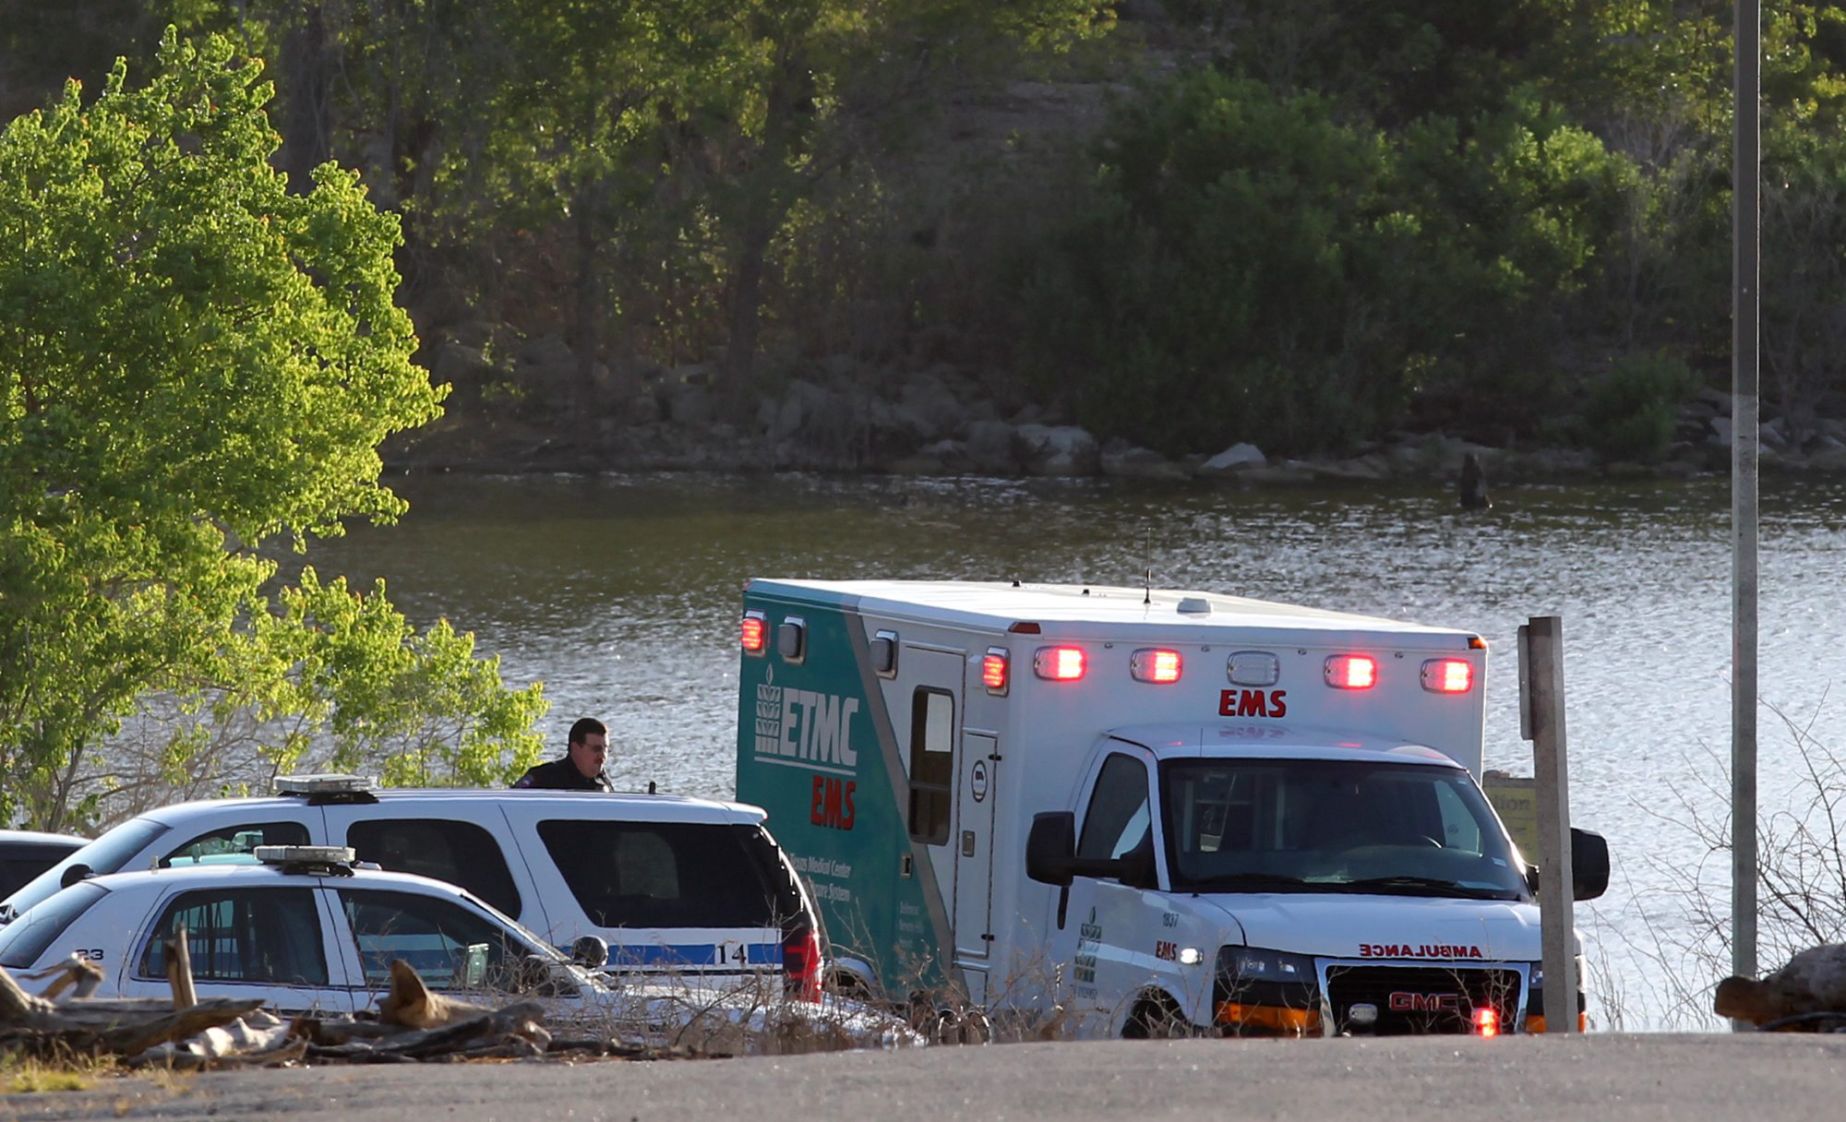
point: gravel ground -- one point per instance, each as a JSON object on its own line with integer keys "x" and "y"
{"x": 1608, "y": 1078}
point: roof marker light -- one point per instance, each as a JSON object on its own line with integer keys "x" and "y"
{"x": 1158, "y": 666}
{"x": 994, "y": 670}
{"x": 1448, "y": 675}
{"x": 1060, "y": 664}
{"x": 754, "y": 633}
{"x": 1351, "y": 672}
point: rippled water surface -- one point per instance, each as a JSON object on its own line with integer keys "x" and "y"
{"x": 621, "y": 593}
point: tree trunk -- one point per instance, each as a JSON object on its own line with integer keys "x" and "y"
{"x": 305, "y": 67}
{"x": 588, "y": 306}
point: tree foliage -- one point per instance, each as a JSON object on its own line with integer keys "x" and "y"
{"x": 194, "y": 363}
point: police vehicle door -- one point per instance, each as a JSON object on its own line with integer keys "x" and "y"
{"x": 273, "y": 943}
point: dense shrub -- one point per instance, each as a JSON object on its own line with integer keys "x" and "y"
{"x": 1629, "y": 413}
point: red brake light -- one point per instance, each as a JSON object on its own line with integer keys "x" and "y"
{"x": 1155, "y": 666}
{"x": 994, "y": 670}
{"x": 1448, "y": 675}
{"x": 1060, "y": 664}
{"x": 801, "y": 963}
{"x": 1351, "y": 672}
{"x": 754, "y": 634}
{"x": 1486, "y": 1021}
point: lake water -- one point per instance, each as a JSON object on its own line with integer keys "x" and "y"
{"x": 622, "y": 594}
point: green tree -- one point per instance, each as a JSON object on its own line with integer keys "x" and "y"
{"x": 827, "y": 84}
{"x": 1227, "y": 281}
{"x": 194, "y": 364}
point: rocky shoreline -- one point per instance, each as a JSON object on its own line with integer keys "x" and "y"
{"x": 842, "y": 416}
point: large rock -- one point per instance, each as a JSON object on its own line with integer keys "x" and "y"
{"x": 993, "y": 447}
{"x": 689, "y": 405}
{"x": 466, "y": 368}
{"x": 1123, "y": 460}
{"x": 929, "y": 407}
{"x": 1058, "y": 450}
{"x": 1235, "y": 458}
{"x": 546, "y": 368}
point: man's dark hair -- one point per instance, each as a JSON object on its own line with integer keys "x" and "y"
{"x": 584, "y": 727}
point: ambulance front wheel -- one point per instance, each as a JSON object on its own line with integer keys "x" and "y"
{"x": 1157, "y": 1017}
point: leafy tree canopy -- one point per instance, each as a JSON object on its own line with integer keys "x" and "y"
{"x": 194, "y": 363}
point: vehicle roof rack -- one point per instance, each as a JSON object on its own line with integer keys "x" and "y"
{"x": 320, "y": 860}
{"x": 329, "y": 788}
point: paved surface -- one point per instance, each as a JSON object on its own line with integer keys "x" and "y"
{"x": 1603, "y": 1078}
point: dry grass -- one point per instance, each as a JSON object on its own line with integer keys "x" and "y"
{"x": 23, "y": 1075}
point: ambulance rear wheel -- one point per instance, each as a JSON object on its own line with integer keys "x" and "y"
{"x": 1157, "y": 1018}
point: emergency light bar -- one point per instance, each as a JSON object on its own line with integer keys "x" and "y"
{"x": 995, "y": 665}
{"x": 324, "y": 783}
{"x": 1059, "y": 664}
{"x": 1447, "y": 675}
{"x": 754, "y": 633}
{"x": 1158, "y": 666}
{"x": 305, "y": 854}
{"x": 1351, "y": 672}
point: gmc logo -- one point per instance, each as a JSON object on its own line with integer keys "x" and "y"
{"x": 1405, "y": 1002}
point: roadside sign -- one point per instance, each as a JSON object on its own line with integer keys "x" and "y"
{"x": 1515, "y": 800}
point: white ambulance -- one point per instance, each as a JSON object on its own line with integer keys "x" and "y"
{"x": 1142, "y": 811}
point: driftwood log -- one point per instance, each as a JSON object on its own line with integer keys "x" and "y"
{"x": 119, "y": 1026}
{"x": 411, "y": 1004}
{"x": 1804, "y": 994}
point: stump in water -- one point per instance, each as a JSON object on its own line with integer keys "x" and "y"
{"x": 1473, "y": 484}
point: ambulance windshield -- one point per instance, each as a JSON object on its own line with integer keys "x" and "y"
{"x": 1256, "y": 825}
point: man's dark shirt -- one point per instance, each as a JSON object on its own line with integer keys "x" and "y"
{"x": 559, "y": 775}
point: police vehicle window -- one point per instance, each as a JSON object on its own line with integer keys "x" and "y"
{"x": 269, "y": 935}
{"x": 1118, "y": 818}
{"x": 450, "y": 946}
{"x": 461, "y": 853}
{"x": 21, "y": 861}
{"x": 106, "y": 854}
{"x": 668, "y": 874}
{"x": 932, "y": 764}
{"x": 232, "y": 842}
{"x": 26, "y": 938}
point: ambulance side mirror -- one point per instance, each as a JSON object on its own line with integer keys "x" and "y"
{"x": 1589, "y": 866}
{"x": 1051, "y": 847}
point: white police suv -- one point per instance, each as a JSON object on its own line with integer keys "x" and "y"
{"x": 674, "y": 886}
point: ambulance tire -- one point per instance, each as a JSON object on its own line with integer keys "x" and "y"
{"x": 1157, "y": 1017}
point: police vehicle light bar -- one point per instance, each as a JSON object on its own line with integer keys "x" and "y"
{"x": 1059, "y": 664}
{"x": 1447, "y": 675}
{"x": 1351, "y": 672}
{"x": 1158, "y": 666}
{"x": 995, "y": 667}
{"x": 324, "y": 783}
{"x": 754, "y": 633}
{"x": 305, "y": 854}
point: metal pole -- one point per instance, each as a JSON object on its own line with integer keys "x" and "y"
{"x": 1746, "y": 175}
{"x": 1541, "y": 679}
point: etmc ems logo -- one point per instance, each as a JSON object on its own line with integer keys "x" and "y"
{"x": 805, "y": 728}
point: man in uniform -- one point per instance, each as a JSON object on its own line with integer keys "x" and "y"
{"x": 581, "y": 768}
